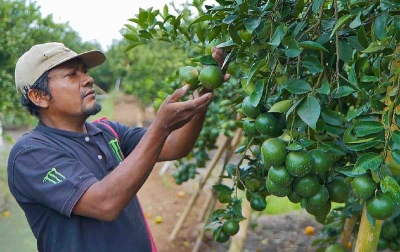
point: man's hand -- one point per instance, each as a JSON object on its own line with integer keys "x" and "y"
{"x": 219, "y": 56}
{"x": 173, "y": 114}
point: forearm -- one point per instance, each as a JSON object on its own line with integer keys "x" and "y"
{"x": 108, "y": 197}
{"x": 181, "y": 141}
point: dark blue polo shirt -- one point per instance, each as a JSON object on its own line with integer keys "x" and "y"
{"x": 49, "y": 170}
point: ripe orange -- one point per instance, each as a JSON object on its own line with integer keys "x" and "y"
{"x": 309, "y": 230}
{"x": 211, "y": 77}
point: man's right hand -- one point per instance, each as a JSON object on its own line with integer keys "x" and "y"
{"x": 173, "y": 114}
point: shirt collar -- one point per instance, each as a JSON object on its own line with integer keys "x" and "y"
{"x": 92, "y": 130}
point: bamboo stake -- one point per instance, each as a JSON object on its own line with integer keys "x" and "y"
{"x": 205, "y": 207}
{"x": 239, "y": 239}
{"x": 192, "y": 200}
{"x": 368, "y": 236}
{"x": 229, "y": 153}
{"x": 346, "y": 235}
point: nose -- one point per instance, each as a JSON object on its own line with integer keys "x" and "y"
{"x": 87, "y": 80}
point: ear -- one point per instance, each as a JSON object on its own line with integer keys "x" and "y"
{"x": 39, "y": 98}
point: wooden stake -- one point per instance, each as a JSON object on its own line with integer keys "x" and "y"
{"x": 346, "y": 235}
{"x": 368, "y": 236}
{"x": 192, "y": 200}
{"x": 239, "y": 239}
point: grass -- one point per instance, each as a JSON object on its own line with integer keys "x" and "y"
{"x": 278, "y": 205}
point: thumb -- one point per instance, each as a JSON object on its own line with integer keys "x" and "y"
{"x": 179, "y": 93}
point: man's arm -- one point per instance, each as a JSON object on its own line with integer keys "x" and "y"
{"x": 181, "y": 141}
{"x": 105, "y": 199}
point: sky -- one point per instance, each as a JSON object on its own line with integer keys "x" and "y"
{"x": 98, "y": 20}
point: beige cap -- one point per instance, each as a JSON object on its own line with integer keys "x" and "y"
{"x": 43, "y": 57}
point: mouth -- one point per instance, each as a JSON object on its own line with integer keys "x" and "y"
{"x": 90, "y": 93}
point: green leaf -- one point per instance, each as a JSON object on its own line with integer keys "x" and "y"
{"x": 341, "y": 22}
{"x": 293, "y": 107}
{"x": 332, "y": 148}
{"x": 369, "y": 161}
{"x": 345, "y": 51}
{"x": 201, "y": 19}
{"x": 222, "y": 189}
{"x": 390, "y": 187}
{"x": 255, "y": 68}
{"x": 396, "y": 137}
{"x": 208, "y": 60}
{"x": 363, "y": 146}
{"x": 324, "y": 89}
{"x": 132, "y": 37}
{"x": 255, "y": 97}
{"x": 380, "y": 26}
{"x": 312, "y": 45}
{"x": 309, "y": 111}
{"x": 312, "y": 64}
{"x": 343, "y": 91}
{"x": 298, "y": 87}
{"x": 133, "y": 45}
{"x": 293, "y": 49}
{"x": 347, "y": 170}
{"x": 251, "y": 24}
{"x": 279, "y": 34}
{"x": 396, "y": 155}
{"x": 356, "y": 22}
{"x": 369, "y": 78}
{"x": 362, "y": 129}
{"x": 281, "y": 106}
{"x": 353, "y": 41}
{"x": 316, "y": 5}
{"x": 165, "y": 11}
{"x": 294, "y": 147}
{"x": 226, "y": 44}
{"x": 374, "y": 47}
{"x": 234, "y": 35}
{"x": 229, "y": 19}
{"x": 240, "y": 149}
{"x": 332, "y": 117}
{"x": 231, "y": 169}
{"x": 237, "y": 209}
{"x": 362, "y": 37}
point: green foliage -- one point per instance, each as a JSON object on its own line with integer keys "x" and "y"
{"x": 329, "y": 67}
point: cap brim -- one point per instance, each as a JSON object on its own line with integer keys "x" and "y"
{"x": 90, "y": 59}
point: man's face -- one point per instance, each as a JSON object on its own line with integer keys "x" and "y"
{"x": 72, "y": 90}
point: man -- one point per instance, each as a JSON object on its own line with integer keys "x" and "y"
{"x": 70, "y": 176}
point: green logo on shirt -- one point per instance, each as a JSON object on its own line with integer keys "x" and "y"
{"x": 53, "y": 176}
{"x": 116, "y": 149}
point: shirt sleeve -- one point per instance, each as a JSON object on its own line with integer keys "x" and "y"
{"x": 49, "y": 176}
{"x": 129, "y": 137}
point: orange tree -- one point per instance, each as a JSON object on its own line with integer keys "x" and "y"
{"x": 319, "y": 101}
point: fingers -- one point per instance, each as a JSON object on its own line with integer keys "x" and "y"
{"x": 179, "y": 93}
{"x": 196, "y": 102}
{"x": 219, "y": 56}
{"x": 227, "y": 77}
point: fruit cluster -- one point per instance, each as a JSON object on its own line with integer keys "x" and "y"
{"x": 209, "y": 77}
{"x": 390, "y": 235}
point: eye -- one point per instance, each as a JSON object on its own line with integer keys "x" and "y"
{"x": 71, "y": 73}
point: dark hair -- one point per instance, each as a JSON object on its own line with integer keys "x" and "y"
{"x": 42, "y": 85}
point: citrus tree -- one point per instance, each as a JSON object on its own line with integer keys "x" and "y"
{"x": 319, "y": 94}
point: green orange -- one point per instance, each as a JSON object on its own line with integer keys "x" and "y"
{"x": 249, "y": 127}
{"x": 381, "y": 206}
{"x": 299, "y": 163}
{"x": 338, "y": 190}
{"x": 211, "y": 77}
{"x": 273, "y": 152}
{"x": 280, "y": 175}
{"x": 248, "y": 109}
{"x": 267, "y": 124}
{"x": 189, "y": 75}
{"x": 279, "y": 191}
{"x": 363, "y": 187}
{"x": 319, "y": 199}
{"x": 306, "y": 186}
{"x": 230, "y": 227}
{"x": 322, "y": 161}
